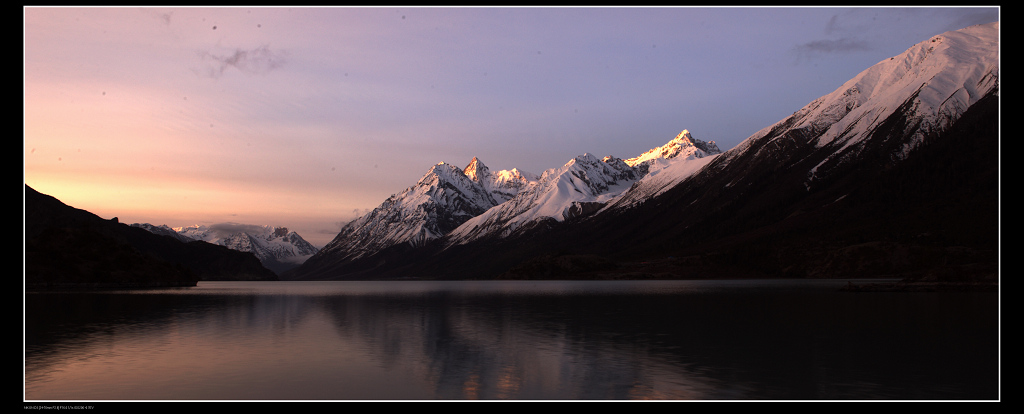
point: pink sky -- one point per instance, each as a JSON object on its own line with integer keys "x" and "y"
{"x": 306, "y": 117}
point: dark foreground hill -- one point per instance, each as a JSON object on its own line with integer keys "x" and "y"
{"x": 70, "y": 247}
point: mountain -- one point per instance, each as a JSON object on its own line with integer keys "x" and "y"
{"x": 277, "y": 248}
{"x": 580, "y": 187}
{"x": 163, "y": 230}
{"x": 930, "y": 85}
{"x": 683, "y": 146}
{"x": 70, "y": 247}
{"x": 501, "y": 185}
{"x": 444, "y": 198}
{"x": 462, "y": 206}
{"x": 895, "y": 173}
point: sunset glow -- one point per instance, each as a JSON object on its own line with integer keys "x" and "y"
{"x": 308, "y": 117}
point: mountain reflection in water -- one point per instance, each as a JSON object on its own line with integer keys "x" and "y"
{"x": 510, "y": 340}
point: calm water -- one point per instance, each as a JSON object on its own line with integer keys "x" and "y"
{"x": 707, "y": 340}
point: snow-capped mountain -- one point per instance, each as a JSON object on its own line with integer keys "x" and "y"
{"x": 276, "y": 247}
{"x": 931, "y": 84}
{"x": 683, "y": 146}
{"x": 163, "y": 230}
{"x": 897, "y": 161}
{"x": 881, "y": 174}
{"x": 580, "y": 187}
{"x": 462, "y": 205}
{"x": 502, "y": 185}
{"x": 445, "y": 197}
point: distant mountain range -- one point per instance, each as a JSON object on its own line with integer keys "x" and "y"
{"x": 276, "y": 247}
{"x": 894, "y": 173}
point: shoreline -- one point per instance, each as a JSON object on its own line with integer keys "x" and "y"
{"x": 47, "y": 287}
{"x": 903, "y": 286}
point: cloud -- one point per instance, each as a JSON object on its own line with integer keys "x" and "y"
{"x": 833, "y": 46}
{"x": 227, "y": 229}
{"x": 833, "y": 25}
{"x": 819, "y": 47}
{"x": 258, "y": 61}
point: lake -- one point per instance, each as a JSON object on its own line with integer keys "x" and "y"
{"x": 525, "y": 340}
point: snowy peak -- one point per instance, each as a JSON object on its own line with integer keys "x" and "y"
{"x": 936, "y": 79}
{"x": 441, "y": 173}
{"x": 262, "y": 240}
{"x": 449, "y": 185}
{"x": 930, "y": 85}
{"x": 584, "y": 185}
{"x": 597, "y": 174}
{"x": 445, "y": 197}
{"x": 574, "y": 189}
{"x": 502, "y": 185}
{"x": 476, "y": 170}
{"x": 511, "y": 181}
{"x": 163, "y": 230}
{"x": 683, "y": 145}
{"x": 874, "y": 119}
{"x": 276, "y": 247}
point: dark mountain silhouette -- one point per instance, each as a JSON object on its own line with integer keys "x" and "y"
{"x": 70, "y": 247}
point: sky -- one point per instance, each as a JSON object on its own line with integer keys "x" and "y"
{"x": 308, "y": 117}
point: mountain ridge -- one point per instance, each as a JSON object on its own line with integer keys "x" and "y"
{"x": 754, "y": 209}
{"x": 67, "y": 247}
{"x": 580, "y": 187}
{"x": 276, "y": 247}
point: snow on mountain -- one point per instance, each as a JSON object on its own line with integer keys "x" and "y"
{"x": 502, "y": 185}
{"x": 933, "y": 82}
{"x": 683, "y": 146}
{"x": 163, "y": 230}
{"x": 664, "y": 169}
{"x": 276, "y": 247}
{"x": 266, "y": 242}
{"x": 582, "y": 186}
{"x": 661, "y": 177}
{"x": 889, "y": 109}
{"x": 445, "y": 197}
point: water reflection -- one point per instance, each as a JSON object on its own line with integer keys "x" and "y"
{"x": 506, "y": 340}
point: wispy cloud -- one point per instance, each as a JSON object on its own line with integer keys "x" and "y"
{"x": 227, "y": 229}
{"x": 832, "y": 46}
{"x": 844, "y": 33}
{"x": 258, "y": 61}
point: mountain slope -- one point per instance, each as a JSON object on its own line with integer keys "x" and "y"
{"x": 932, "y": 83}
{"x": 683, "y": 146}
{"x": 582, "y": 180}
{"x": 65, "y": 246}
{"x": 894, "y": 173}
{"x": 825, "y": 193}
{"x": 277, "y": 248}
{"x": 581, "y": 187}
{"x": 664, "y": 170}
{"x": 518, "y": 203}
{"x": 444, "y": 198}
